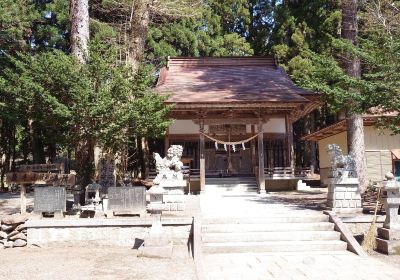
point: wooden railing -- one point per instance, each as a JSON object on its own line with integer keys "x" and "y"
{"x": 286, "y": 172}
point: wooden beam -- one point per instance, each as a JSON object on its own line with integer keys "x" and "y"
{"x": 261, "y": 178}
{"x": 202, "y": 159}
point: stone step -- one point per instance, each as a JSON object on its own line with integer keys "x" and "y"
{"x": 231, "y": 179}
{"x": 267, "y": 227}
{"x": 268, "y": 219}
{"x": 216, "y": 185}
{"x": 224, "y": 237}
{"x": 230, "y": 189}
{"x": 274, "y": 246}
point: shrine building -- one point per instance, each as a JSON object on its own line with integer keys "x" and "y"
{"x": 234, "y": 117}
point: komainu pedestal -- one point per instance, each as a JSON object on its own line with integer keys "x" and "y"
{"x": 343, "y": 185}
{"x": 344, "y": 195}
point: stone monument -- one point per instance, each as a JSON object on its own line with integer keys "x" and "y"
{"x": 388, "y": 240}
{"x": 343, "y": 192}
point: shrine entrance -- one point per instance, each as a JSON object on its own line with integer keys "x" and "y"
{"x": 224, "y": 160}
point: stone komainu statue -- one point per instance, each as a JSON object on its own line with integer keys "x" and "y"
{"x": 169, "y": 167}
{"x": 341, "y": 165}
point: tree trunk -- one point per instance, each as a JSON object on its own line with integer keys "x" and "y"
{"x": 84, "y": 150}
{"x": 351, "y": 65}
{"x": 139, "y": 24}
{"x": 38, "y": 154}
{"x": 79, "y": 16}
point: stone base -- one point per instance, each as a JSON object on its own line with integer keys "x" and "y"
{"x": 174, "y": 199}
{"x": 390, "y": 247}
{"x": 178, "y": 206}
{"x": 148, "y": 251}
{"x": 389, "y": 234}
{"x": 344, "y": 196}
{"x": 388, "y": 241}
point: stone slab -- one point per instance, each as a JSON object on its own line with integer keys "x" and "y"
{"x": 50, "y": 199}
{"x": 131, "y": 199}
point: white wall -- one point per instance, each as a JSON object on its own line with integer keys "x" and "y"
{"x": 275, "y": 125}
{"x": 339, "y": 139}
{"x": 184, "y": 127}
{"x": 380, "y": 139}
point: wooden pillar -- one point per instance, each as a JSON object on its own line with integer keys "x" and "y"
{"x": 202, "y": 159}
{"x": 290, "y": 149}
{"x": 23, "y": 199}
{"x": 261, "y": 177}
{"x": 253, "y": 150}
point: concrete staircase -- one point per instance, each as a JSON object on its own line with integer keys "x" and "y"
{"x": 231, "y": 185}
{"x": 275, "y": 233}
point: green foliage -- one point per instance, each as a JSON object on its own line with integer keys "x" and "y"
{"x": 205, "y": 35}
{"x": 15, "y": 21}
{"x": 45, "y": 93}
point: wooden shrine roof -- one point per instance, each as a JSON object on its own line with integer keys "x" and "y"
{"x": 334, "y": 129}
{"x": 229, "y": 81}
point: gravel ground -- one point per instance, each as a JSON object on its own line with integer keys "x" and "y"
{"x": 10, "y": 203}
{"x": 90, "y": 263}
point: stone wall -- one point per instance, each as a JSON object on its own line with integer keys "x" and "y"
{"x": 118, "y": 232}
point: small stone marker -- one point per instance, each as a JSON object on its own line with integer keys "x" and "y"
{"x": 50, "y": 199}
{"x": 127, "y": 200}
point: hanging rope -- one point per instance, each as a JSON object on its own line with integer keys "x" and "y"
{"x": 229, "y": 143}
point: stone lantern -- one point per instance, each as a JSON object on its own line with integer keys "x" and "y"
{"x": 392, "y": 202}
{"x": 388, "y": 240}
